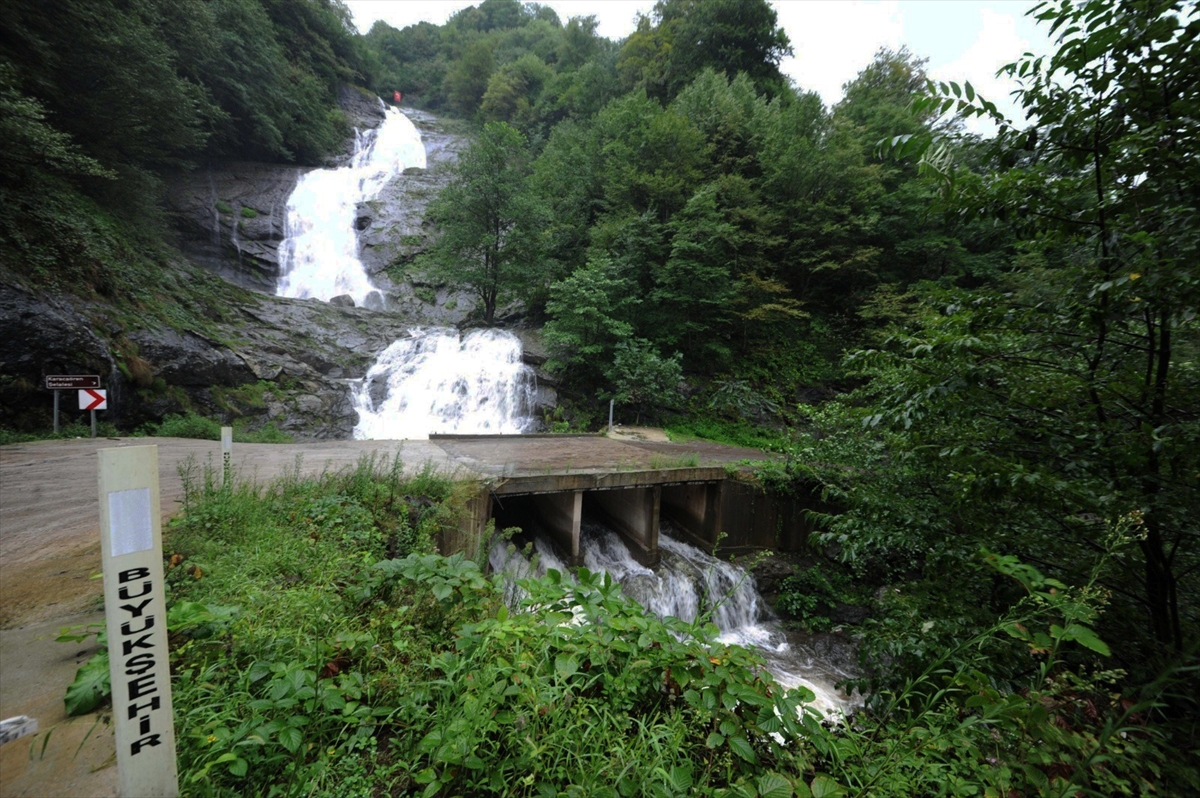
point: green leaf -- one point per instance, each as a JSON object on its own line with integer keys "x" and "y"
{"x": 741, "y": 746}
{"x": 291, "y": 738}
{"x": 91, "y": 686}
{"x": 565, "y": 665}
{"x": 715, "y": 740}
{"x": 824, "y": 787}
{"x": 681, "y": 777}
{"x": 239, "y": 766}
{"x": 772, "y": 785}
{"x": 1084, "y": 636}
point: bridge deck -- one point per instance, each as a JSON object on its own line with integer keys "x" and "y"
{"x": 525, "y": 456}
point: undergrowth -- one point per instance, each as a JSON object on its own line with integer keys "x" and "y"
{"x": 321, "y": 646}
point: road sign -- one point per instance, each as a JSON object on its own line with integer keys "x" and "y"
{"x": 70, "y": 382}
{"x": 93, "y": 400}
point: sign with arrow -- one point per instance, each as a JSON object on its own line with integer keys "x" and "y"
{"x": 93, "y": 399}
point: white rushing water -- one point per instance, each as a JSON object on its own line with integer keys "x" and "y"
{"x": 319, "y": 256}
{"x": 436, "y": 381}
{"x": 686, "y": 583}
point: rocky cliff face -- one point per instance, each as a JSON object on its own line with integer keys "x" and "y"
{"x": 266, "y": 359}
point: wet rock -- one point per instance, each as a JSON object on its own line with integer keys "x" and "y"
{"x": 849, "y": 614}
{"x": 770, "y": 571}
{"x": 309, "y": 404}
{"x": 361, "y": 107}
{"x": 544, "y": 398}
{"x": 230, "y": 217}
{"x": 187, "y": 358}
{"x": 374, "y": 301}
{"x": 48, "y": 335}
{"x": 342, "y": 301}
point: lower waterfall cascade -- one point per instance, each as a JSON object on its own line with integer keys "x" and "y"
{"x": 685, "y": 584}
{"x": 438, "y": 381}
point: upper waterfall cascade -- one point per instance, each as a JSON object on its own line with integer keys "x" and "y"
{"x": 319, "y": 256}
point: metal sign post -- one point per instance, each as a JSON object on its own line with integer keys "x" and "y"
{"x": 93, "y": 400}
{"x": 136, "y": 615}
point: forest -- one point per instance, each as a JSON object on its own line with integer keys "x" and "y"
{"x": 981, "y": 351}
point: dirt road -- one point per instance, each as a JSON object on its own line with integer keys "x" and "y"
{"x": 49, "y": 553}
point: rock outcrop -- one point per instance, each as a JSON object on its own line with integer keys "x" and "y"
{"x": 230, "y": 219}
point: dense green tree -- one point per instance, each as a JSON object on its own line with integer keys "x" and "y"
{"x": 589, "y": 312}
{"x": 467, "y": 80}
{"x": 411, "y": 61}
{"x": 1068, "y": 398}
{"x": 489, "y": 223}
{"x": 513, "y": 90}
{"x": 644, "y": 379}
{"x": 681, "y": 38}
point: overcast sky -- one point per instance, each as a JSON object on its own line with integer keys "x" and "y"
{"x": 832, "y": 39}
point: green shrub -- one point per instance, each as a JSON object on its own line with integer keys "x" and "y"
{"x": 249, "y": 213}
{"x": 267, "y": 434}
{"x": 188, "y": 425}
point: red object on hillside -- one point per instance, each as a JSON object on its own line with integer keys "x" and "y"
{"x": 397, "y": 96}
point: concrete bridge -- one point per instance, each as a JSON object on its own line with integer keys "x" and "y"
{"x": 549, "y": 483}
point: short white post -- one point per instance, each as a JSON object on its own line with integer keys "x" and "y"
{"x": 226, "y": 454}
{"x": 136, "y": 617}
{"x": 610, "y": 414}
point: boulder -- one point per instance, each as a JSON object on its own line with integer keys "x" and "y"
{"x": 342, "y": 301}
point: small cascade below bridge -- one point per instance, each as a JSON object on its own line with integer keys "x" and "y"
{"x": 688, "y": 583}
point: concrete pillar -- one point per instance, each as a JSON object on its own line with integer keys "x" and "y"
{"x": 634, "y": 514}
{"x": 562, "y": 514}
{"x": 468, "y": 537}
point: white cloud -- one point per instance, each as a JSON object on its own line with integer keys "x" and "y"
{"x": 997, "y": 44}
{"x": 834, "y": 40}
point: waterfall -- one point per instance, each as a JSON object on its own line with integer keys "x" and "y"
{"x": 319, "y": 256}
{"x": 436, "y": 381}
{"x": 685, "y": 584}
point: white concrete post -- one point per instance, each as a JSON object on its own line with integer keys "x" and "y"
{"x": 135, "y": 612}
{"x": 226, "y": 454}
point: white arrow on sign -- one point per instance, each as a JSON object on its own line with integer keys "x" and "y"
{"x": 93, "y": 399}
